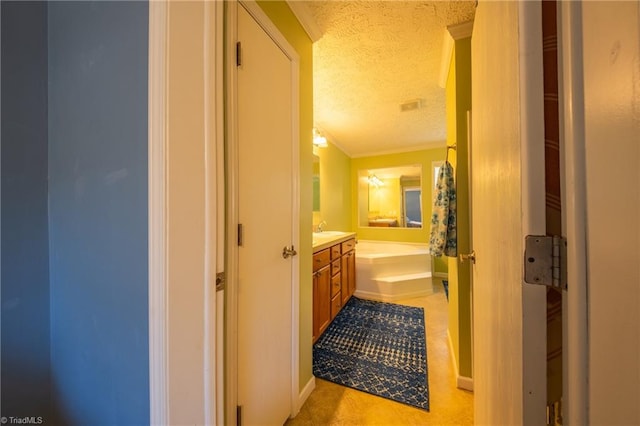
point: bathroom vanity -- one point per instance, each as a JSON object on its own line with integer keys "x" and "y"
{"x": 334, "y": 276}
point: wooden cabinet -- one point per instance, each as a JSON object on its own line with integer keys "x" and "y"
{"x": 321, "y": 292}
{"x": 348, "y": 275}
{"x": 334, "y": 282}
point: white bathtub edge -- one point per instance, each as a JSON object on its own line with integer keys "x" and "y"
{"x": 390, "y": 297}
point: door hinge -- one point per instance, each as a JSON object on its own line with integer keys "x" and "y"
{"x": 221, "y": 280}
{"x": 240, "y": 234}
{"x": 545, "y": 261}
{"x": 238, "y": 54}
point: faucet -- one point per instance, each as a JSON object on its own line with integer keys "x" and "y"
{"x": 320, "y": 225}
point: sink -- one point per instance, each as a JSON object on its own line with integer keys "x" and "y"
{"x": 328, "y": 234}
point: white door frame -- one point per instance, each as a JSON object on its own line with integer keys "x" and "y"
{"x": 231, "y": 341}
{"x": 158, "y": 338}
{"x": 534, "y": 298}
{"x": 575, "y": 323}
{"x": 209, "y": 373}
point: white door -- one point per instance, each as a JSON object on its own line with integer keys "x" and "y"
{"x": 508, "y": 203}
{"x": 265, "y": 182}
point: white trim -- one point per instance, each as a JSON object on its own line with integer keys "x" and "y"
{"x": 219, "y": 117}
{"x": 451, "y": 34}
{"x": 441, "y": 275}
{"x": 231, "y": 294}
{"x": 462, "y": 382}
{"x": 263, "y": 20}
{"x": 295, "y": 232}
{"x": 304, "y": 394}
{"x": 208, "y": 346}
{"x": 445, "y": 62}
{"x": 576, "y": 327}
{"x": 460, "y": 31}
{"x": 157, "y": 152}
{"x": 534, "y": 299}
{"x": 465, "y": 383}
{"x": 213, "y": 111}
{"x": 308, "y": 23}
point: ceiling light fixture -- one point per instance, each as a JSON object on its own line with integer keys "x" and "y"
{"x": 318, "y": 139}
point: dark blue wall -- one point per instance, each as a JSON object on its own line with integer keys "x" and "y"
{"x": 25, "y": 245}
{"x": 98, "y": 212}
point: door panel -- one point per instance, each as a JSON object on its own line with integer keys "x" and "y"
{"x": 508, "y": 201}
{"x": 265, "y": 212}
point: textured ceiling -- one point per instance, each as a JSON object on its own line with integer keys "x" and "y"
{"x": 374, "y": 56}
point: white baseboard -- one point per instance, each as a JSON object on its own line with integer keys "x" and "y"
{"x": 465, "y": 383}
{"x": 462, "y": 382}
{"x": 304, "y": 394}
{"x": 441, "y": 274}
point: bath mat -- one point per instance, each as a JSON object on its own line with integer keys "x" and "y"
{"x": 376, "y": 347}
{"x": 445, "y": 284}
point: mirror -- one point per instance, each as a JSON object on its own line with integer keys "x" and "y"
{"x": 316, "y": 183}
{"x": 390, "y": 197}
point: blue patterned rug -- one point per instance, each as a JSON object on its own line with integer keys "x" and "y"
{"x": 378, "y": 348}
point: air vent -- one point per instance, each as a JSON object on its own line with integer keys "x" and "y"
{"x": 411, "y": 105}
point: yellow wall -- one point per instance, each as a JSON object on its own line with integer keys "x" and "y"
{"x": 286, "y": 22}
{"x": 458, "y": 102}
{"x": 422, "y": 157}
{"x": 335, "y": 189}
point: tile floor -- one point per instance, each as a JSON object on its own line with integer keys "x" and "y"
{"x": 331, "y": 404}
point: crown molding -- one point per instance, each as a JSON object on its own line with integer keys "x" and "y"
{"x": 445, "y": 64}
{"x": 460, "y": 31}
{"x": 309, "y": 24}
{"x": 451, "y": 34}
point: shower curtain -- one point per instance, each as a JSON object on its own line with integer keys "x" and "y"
{"x": 443, "y": 239}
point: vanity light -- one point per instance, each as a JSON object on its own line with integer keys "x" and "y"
{"x": 319, "y": 140}
{"x": 375, "y": 181}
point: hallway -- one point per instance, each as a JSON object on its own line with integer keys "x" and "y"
{"x": 331, "y": 404}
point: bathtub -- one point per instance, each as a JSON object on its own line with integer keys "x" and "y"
{"x": 388, "y": 271}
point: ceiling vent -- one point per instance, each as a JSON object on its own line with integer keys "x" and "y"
{"x": 411, "y": 105}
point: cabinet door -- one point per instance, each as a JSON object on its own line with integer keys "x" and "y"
{"x": 321, "y": 301}
{"x": 336, "y": 304}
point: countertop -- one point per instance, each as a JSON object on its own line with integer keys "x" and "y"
{"x": 323, "y": 240}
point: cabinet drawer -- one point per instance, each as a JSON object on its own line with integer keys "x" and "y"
{"x": 335, "y": 252}
{"x": 335, "y": 267}
{"x": 336, "y": 305}
{"x": 348, "y": 245}
{"x": 321, "y": 258}
{"x": 336, "y": 284}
